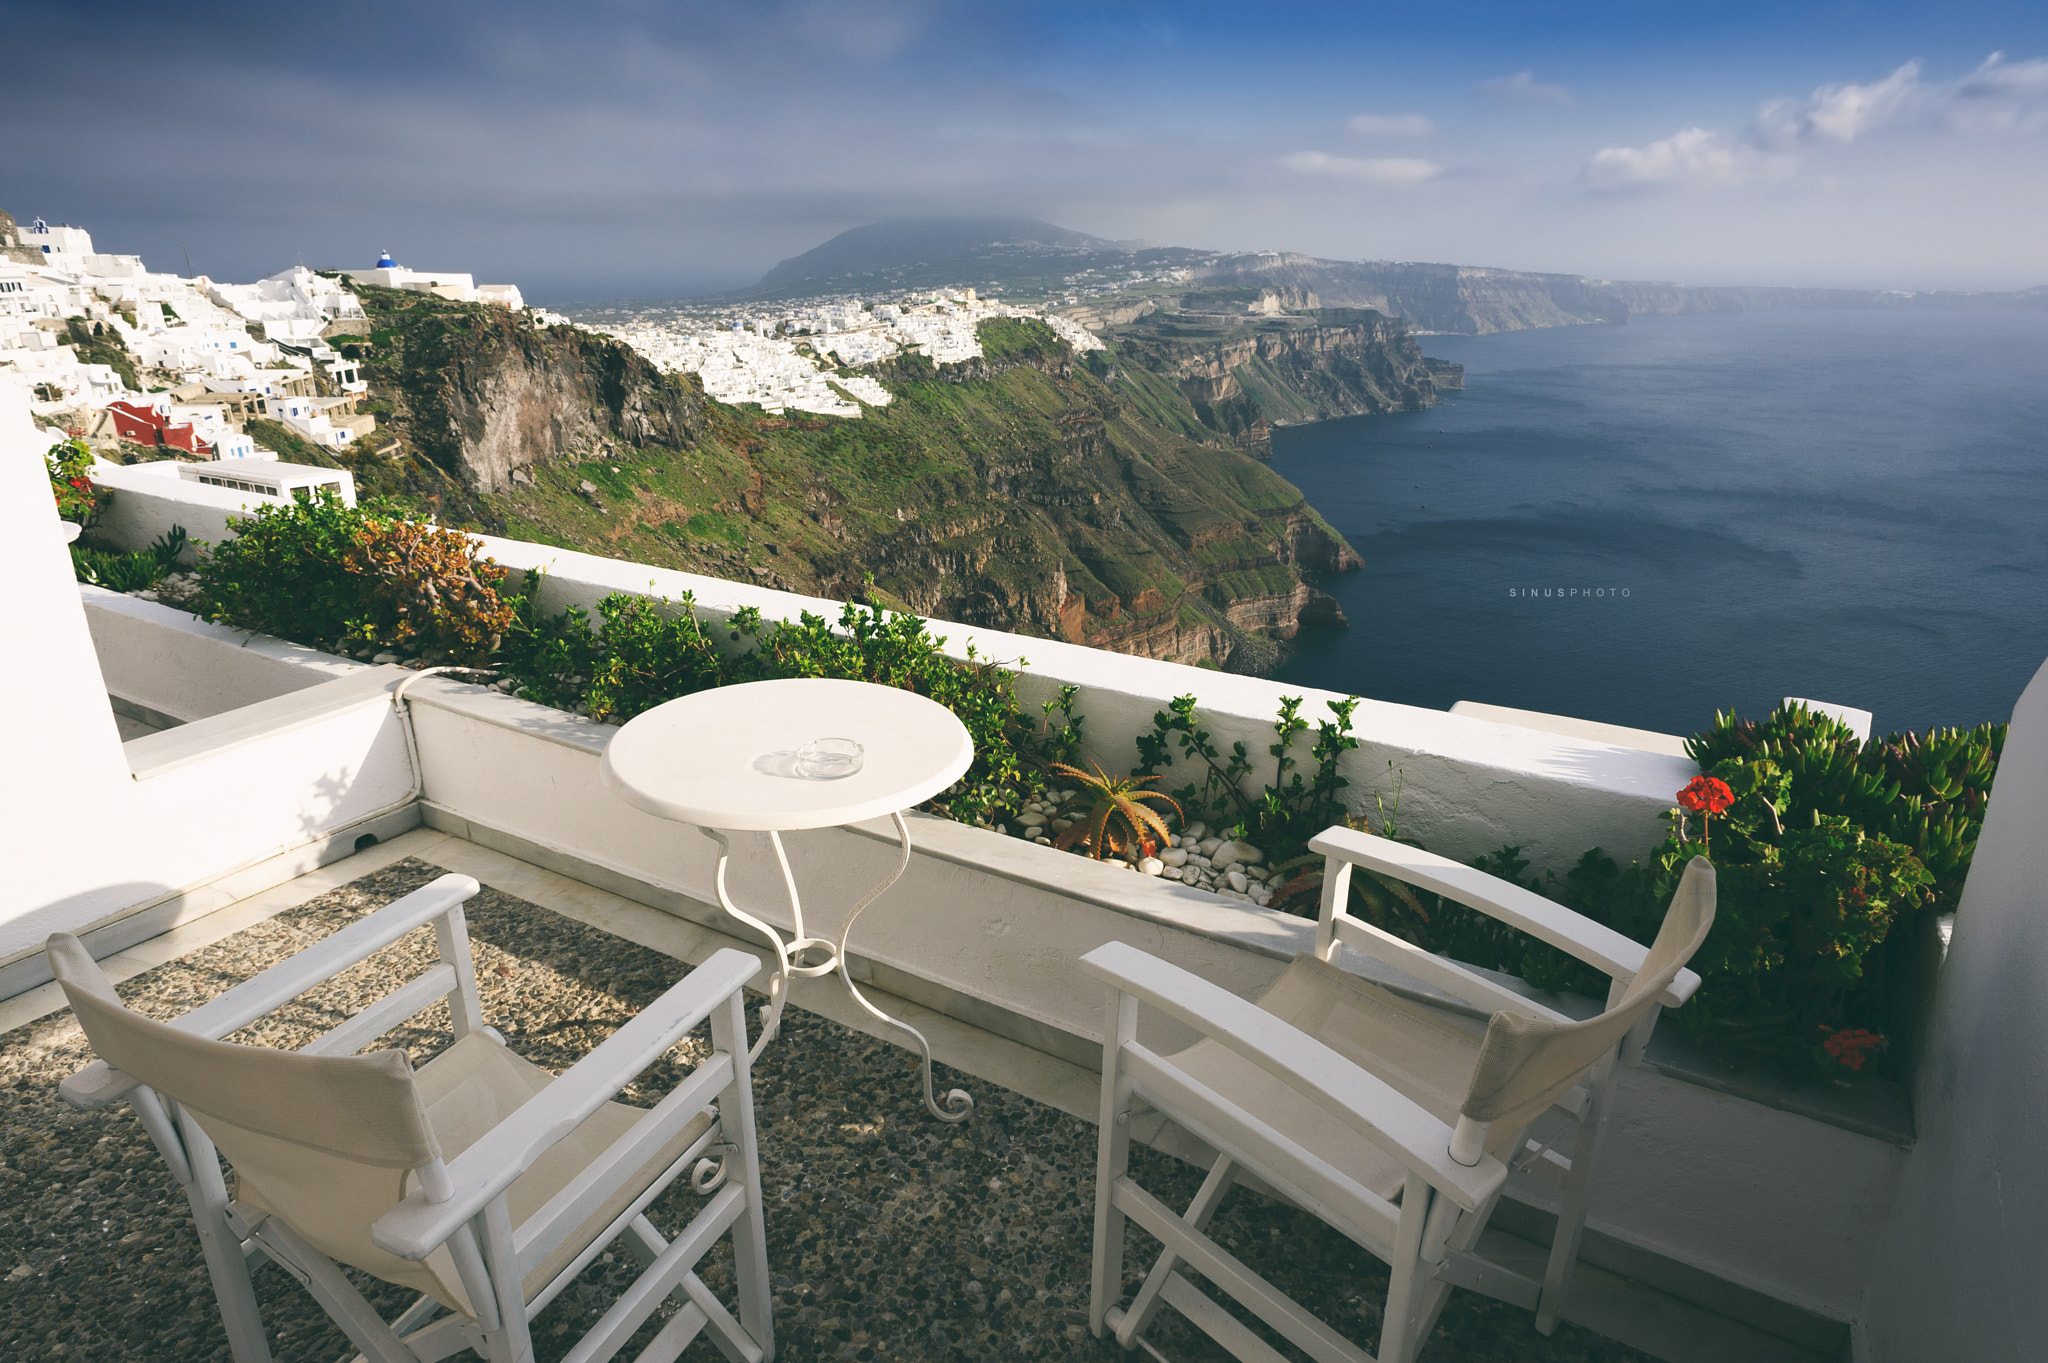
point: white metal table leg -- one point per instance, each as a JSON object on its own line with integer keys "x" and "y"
{"x": 959, "y": 1104}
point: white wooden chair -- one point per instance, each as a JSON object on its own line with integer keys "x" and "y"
{"x": 480, "y": 1180}
{"x": 1393, "y": 1120}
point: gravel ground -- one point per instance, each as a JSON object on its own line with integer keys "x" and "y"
{"x": 890, "y": 1236}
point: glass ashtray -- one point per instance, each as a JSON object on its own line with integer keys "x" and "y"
{"x": 829, "y": 759}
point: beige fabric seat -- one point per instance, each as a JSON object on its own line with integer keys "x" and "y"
{"x": 1392, "y": 1119}
{"x": 466, "y": 1091}
{"x": 481, "y": 1181}
{"x": 1426, "y": 1054}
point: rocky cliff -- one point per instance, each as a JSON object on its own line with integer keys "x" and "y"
{"x": 1240, "y": 374}
{"x": 484, "y": 394}
{"x": 1021, "y": 490}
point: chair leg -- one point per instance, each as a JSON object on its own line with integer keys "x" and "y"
{"x": 1571, "y": 1212}
{"x": 1398, "y": 1339}
{"x": 1112, "y": 1160}
{"x": 1146, "y": 1304}
{"x": 378, "y": 1341}
{"x": 222, "y": 1248}
{"x": 750, "y": 1231}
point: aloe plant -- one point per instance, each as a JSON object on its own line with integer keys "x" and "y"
{"x": 1117, "y": 818}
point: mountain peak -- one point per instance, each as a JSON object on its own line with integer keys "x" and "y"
{"x": 901, "y": 243}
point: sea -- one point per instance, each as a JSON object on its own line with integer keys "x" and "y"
{"x": 1648, "y": 522}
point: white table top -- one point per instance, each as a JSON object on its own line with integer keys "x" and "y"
{"x": 726, "y": 757}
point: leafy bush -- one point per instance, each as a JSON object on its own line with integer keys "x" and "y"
{"x": 129, "y": 572}
{"x": 648, "y": 651}
{"x": 1926, "y": 794}
{"x": 70, "y": 467}
{"x": 321, "y": 571}
{"x": 1289, "y": 811}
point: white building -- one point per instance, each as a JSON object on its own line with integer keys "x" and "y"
{"x": 293, "y": 305}
{"x": 458, "y": 287}
{"x": 70, "y": 248}
{"x": 308, "y": 416}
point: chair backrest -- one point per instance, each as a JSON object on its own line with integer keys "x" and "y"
{"x": 324, "y": 1142}
{"x": 1525, "y": 1064}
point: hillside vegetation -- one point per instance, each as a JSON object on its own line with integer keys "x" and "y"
{"x": 1020, "y": 491}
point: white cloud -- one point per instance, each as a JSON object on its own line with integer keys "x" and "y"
{"x": 1841, "y": 113}
{"x": 1386, "y": 170}
{"x": 1524, "y": 88}
{"x": 1691, "y": 156}
{"x": 1999, "y": 96}
{"x": 1391, "y": 125}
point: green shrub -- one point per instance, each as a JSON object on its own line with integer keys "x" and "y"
{"x": 134, "y": 572}
{"x": 1289, "y": 810}
{"x": 646, "y": 651}
{"x": 322, "y": 572}
{"x": 70, "y": 467}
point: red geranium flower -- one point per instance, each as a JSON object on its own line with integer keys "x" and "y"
{"x": 1706, "y": 795}
{"x": 1848, "y": 1047}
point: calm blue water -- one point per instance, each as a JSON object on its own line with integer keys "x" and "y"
{"x": 1848, "y": 506}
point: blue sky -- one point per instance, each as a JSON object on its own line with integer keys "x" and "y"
{"x": 645, "y": 149}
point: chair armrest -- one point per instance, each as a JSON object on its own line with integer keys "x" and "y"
{"x": 416, "y": 1227}
{"x": 1376, "y": 1110}
{"x": 1601, "y": 947}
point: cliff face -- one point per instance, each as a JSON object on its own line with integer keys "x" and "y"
{"x": 484, "y": 393}
{"x": 1239, "y": 377}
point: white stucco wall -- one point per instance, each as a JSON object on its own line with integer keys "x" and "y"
{"x": 1467, "y": 785}
{"x": 1961, "y": 1269}
{"x": 90, "y": 827}
{"x": 148, "y": 499}
{"x": 173, "y": 662}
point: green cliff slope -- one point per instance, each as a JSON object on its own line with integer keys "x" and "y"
{"x": 1020, "y": 491}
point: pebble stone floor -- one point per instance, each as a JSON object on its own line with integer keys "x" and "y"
{"x": 890, "y": 1236}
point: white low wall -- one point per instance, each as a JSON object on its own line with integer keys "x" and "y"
{"x": 173, "y": 662}
{"x": 1766, "y": 1199}
{"x": 1468, "y": 785}
{"x": 151, "y": 498}
{"x": 205, "y": 799}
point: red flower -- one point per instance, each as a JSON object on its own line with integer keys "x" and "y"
{"x": 1706, "y": 795}
{"x": 1847, "y": 1046}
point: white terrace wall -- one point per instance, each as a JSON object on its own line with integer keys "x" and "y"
{"x": 1960, "y": 1271}
{"x": 1468, "y": 785}
{"x": 92, "y": 829}
{"x": 150, "y": 498}
{"x": 183, "y": 668}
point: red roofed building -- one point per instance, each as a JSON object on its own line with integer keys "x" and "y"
{"x": 148, "y": 425}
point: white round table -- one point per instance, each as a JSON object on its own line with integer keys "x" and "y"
{"x": 725, "y": 760}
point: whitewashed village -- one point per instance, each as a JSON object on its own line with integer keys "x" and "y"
{"x": 216, "y": 353}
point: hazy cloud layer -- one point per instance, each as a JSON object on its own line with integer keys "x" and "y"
{"x": 1524, "y": 88}
{"x": 1383, "y": 170}
{"x": 624, "y": 147}
{"x": 1391, "y": 125}
{"x": 1998, "y": 97}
